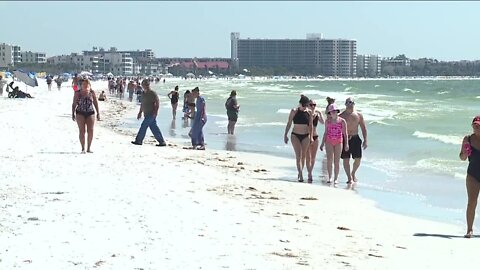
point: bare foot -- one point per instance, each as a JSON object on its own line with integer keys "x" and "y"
{"x": 300, "y": 177}
{"x": 354, "y": 178}
{"x": 83, "y": 152}
{"x": 89, "y": 151}
{"x": 469, "y": 234}
{"x": 336, "y": 181}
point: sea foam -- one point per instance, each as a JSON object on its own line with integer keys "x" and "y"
{"x": 448, "y": 139}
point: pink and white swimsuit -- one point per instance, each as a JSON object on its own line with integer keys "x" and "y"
{"x": 334, "y": 133}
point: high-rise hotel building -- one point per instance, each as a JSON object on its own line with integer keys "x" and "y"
{"x": 314, "y": 55}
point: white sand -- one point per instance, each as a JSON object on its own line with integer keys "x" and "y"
{"x": 144, "y": 207}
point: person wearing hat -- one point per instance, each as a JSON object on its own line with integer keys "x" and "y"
{"x": 301, "y": 135}
{"x": 333, "y": 138}
{"x": 354, "y": 119}
{"x": 149, "y": 108}
{"x": 471, "y": 150}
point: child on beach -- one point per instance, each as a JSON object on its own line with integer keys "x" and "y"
{"x": 334, "y": 136}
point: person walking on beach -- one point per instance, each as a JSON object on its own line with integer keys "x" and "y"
{"x": 59, "y": 82}
{"x": 185, "y": 105}
{"x": 149, "y": 108}
{"x": 196, "y": 133}
{"x": 354, "y": 119}
{"x": 333, "y": 138}
{"x": 75, "y": 82}
{"x": 84, "y": 106}
{"x": 174, "y": 96}
{"x": 232, "y": 111}
{"x": 313, "y": 147}
{"x": 471, "y": 150}
{"x": 49, "y": 82}
{"x": 301, "y": 133}
{"x": 131, "y": 90}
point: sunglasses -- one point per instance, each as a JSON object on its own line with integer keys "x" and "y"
{"x": 349, "y": 103}
{"x": 313, "y": 105}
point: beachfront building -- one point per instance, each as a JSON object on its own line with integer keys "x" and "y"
{"x": 81, "y": 62}
{"x": 130, "y": 62}
{"x": 369, "y": 65}
{"x": 9, "y": 55}
{"x": 34, "y": 57}
{"x": 197, "y": 66}
{"x": 312, "y": 55}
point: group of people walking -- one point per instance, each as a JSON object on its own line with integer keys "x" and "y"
{"x": 340, "y": 137}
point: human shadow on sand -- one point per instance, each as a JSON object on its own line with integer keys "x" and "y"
{"x": 446, "y": 236}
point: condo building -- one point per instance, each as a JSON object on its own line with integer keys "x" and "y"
{"x": 313, "y": 55}
{"x": 369, "y": 65}
{"x": 9, "y": 55}
{"x": 34, "y": 57}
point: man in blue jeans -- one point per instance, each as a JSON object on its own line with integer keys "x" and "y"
{"x": 149, "y": 108}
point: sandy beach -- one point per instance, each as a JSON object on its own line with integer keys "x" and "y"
{"x": 145, "y": 207}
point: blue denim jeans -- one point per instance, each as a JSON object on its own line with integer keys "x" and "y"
{"x": 149, "y": 122}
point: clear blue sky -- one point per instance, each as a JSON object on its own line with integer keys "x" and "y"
{"x": 441, "y": 30}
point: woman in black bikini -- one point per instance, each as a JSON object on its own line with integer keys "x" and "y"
{"x": 471, "y": 150}
{"x": 84, "y": 106}
{"x": 313, "y": 148}
{"x": 301, "y": 133}
{"x": 173, "y": 96}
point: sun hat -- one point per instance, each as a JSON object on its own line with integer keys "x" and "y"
{"x": 476, "y": 120}
{"x": 332, "y": 107}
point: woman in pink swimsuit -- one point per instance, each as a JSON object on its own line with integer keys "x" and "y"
{"x": 333, "y": 138}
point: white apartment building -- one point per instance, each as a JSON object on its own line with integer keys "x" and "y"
{"x": 34, "y": 57}
{"x": 84, "y": 62}
{"x": 121, "y": 63}
{"x": 369, "y": 65}
{"x": 9, "y": 55}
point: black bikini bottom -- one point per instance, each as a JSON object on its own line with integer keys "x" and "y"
{"x": 300, "y": 136}
{"x": 86, "y": 114}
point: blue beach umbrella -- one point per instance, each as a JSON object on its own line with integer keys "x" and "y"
{"x": 28, "y": 78}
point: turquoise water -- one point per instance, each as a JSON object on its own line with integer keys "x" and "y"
{"x": 415, "y": 128}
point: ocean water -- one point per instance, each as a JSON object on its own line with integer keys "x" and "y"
{"x": 415, "y": 129}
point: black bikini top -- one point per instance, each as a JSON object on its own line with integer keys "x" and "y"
{"x": 301, "y": 117}
{"x": 315, "y": 121}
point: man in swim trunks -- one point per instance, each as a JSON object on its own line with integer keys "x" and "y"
{"x": 354, "y": 120}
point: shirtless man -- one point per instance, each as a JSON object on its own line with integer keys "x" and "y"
{"x": 354, "y": 119}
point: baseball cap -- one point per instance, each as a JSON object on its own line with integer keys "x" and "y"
{"x": 476, "y": 120}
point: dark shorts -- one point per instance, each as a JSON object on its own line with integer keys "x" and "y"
{"x": 232, "y": 116}
{"x": 355, "y": 148}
